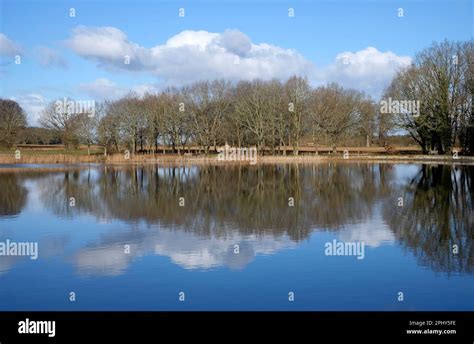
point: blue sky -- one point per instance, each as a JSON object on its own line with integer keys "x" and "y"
{"x": 356, "y": 43}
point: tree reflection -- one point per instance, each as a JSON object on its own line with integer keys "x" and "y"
{"x": 12, "y": 195}
{"x": 255, "y": 201}
{"x": 270, "y": 199}
{"x": 437, "y": 213}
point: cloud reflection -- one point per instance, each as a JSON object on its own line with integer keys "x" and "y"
{"x": 186, "y": 249}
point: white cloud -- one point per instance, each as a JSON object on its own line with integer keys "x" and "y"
{"x": 195, "y": 55}
{"x": 192, "y": 252}
{"x": 201, "y": 39}
{"x": 51, "y": 58}
{"x": 103, "y": 42}
{"x": 186, "y": 249}
{"x": 369, "y": 69}
{"x": 33, "y": 104}
{"x": 235, "y": 42}
{"x": 190, "y": 55}
{"x": 109, "y": 46}
{"x": 374, "y": 233}
{"x": 8, "y": 47}
{"x": 105, "y": 261}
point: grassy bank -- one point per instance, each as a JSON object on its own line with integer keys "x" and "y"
{"x": 75, "y": 157}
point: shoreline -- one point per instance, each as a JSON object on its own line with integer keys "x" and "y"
{"x": 166, "y": 160}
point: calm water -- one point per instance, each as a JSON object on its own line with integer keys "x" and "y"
{"x": 236, "y": 243}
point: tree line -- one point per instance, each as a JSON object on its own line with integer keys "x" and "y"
{"x": 265, "y": 114}
{"x": 274, "y": 114}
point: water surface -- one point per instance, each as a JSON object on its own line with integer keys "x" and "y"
{"x": 239, "y": 237}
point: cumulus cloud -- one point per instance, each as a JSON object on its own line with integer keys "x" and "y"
{"x": 368, "y": 69}
{"x": 109, "y": 46}
{"x": 190, "y": 55}
{"x": 196, "y": 55}
{"x": 8, "y": 47}
{"x": 51, "y": 58}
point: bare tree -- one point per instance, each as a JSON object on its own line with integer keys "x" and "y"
{"x": 278, "y": 121}
{"x": 154, "y": 108}
{"x": 209, "y": 103}
{"x": 176, "y": 119}
{"x": 250, "y": 107}
{"x": 466, "y": 131}
{"x": 297, "y": 91}
{"x": 437, "y": 80}
{"x": 12, "y": 122}
{"x": 368, "y": 111}
{"x": 108, "y": 127}
{"x": 62, "y": 120}
{"x": 130, "y": 116}
{"x": 88, "y": 126}
{"x": 336, "y": 111}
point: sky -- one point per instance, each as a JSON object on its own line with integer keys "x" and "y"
{"x": 98, "y": 49}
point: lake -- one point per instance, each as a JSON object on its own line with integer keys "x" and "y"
{"x": 327, "y": 236}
